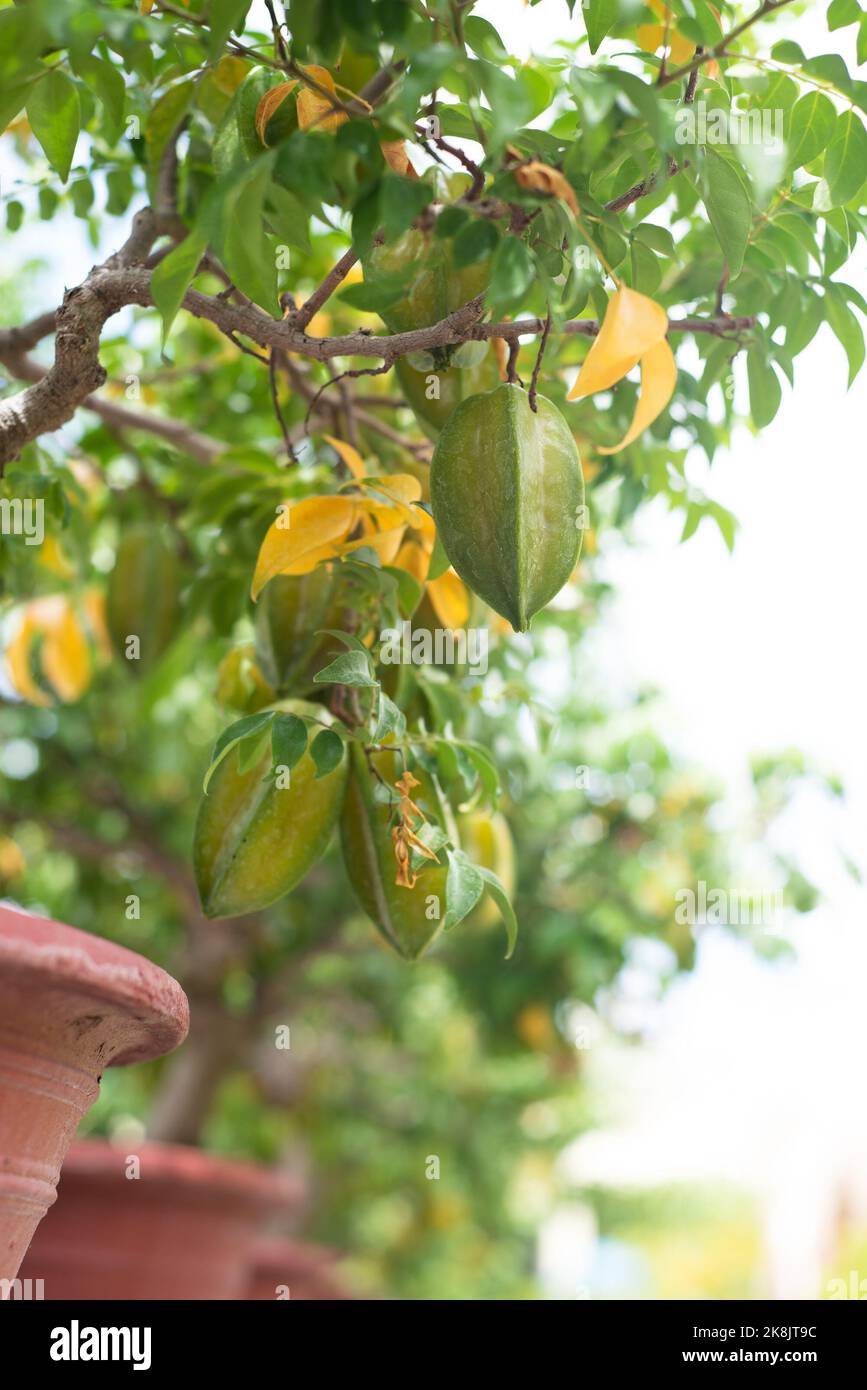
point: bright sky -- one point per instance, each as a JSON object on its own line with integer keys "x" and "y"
{"x": 753, "y": 1073}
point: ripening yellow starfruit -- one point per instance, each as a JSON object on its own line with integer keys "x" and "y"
{"x": 487, "y": 841}
{"x": 508, "y": 499}
{"x": 291, "y": 612}
{"x": 142, "y": 604}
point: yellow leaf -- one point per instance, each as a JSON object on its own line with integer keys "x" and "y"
{"x": 93, "y": 603}
{"x": 650, "y": 37}
{"x": 53, "y": 558}
{"x": 307, "y": 533}
{"x": 18, "y": 664}
{"x": 269, "y": 103}
{"x": 401, "y": 490}
{"x": 658, "y": 378}
{"x": 314, "y": 109}
{"x": 65, "y": 656}
{"x": 351, "y": 457}
{"x": 386, "y": 543}
{"x": 543, "y": 179}
{"x": 12, "y": 861}
{"x": 396, "y": 157}
{"x": 413, "y": 558}
{"x": 450, "y": 599}
{"x": 145, "y": 6}
{"x": 632, "y": 325}
{"x": 230, "y": 73}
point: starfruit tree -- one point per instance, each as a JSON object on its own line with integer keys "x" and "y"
{"x": 403, "y": 320}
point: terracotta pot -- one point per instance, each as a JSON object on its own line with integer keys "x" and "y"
{"x": 71, "y": 1005}
{"x": 283, "y": 1269}
{"x": 183, "y": 1229}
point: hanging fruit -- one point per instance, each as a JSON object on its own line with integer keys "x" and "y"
{"x": 508, "y": 500}
{"x": 407, "y": 906}
{"x": 143, "y": 597}
{"x": 264, "y": 822}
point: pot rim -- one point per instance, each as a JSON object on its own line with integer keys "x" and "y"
{"x": 183, "y": 1168}
{"x": 42, "y": 953}
{"x": 282, "y": 1253}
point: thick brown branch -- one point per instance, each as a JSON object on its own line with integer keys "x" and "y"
{"x": 178, "y": 433}
{"x": 77, "y": 371}
{"x": 123, "y": 280}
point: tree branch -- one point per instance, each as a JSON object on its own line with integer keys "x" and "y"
{"x": 704, "y": 56}
{"x": 77, "y": 371}
{"x": 335, "y": 276}
{"x": 124, "y": 280}
{"x": 180, "y": 435}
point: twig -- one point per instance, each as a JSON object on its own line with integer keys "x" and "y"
{"x": 280, "y": 50}
{"x": 512, "y": 363}
{"x": 543, "y": 343}
{"x": 478, "y": 184}
{"x": 334, "y": 277}
{"x": 641, "y": 190}
{"x": 689, "y": 94}
{"x": 341, "y": 376}
{"x": 275, "y": 401}
{"x": 768, "y": 7}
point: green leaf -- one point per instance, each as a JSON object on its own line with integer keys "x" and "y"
{"x": 389, "y": 719}
{"x": 659, "y": 239}
{"x": 728, "y": 207}
{"x": 846, "y": 159}
{"x": 107, "y": 84}
{"x": 600, "y": 16}
{"x": 380, "y": 291}
{"x": 247, "y": 253}
{"x": 464, "y": 887}
{"x": 646, "y": 269}
{"x": 251, "y": 750}
{"x": 474, "y": 242}
{"x": 288, "y": 740}
{"x": 504, "y": 903}
{"x": 172, "y": 278}
{"x": 766, "y": 392}
{"x": 400, "y": 202}
{"x": 843, "y": 12}
{"x": 846, "y": 329}
{"x": 223, "y": 17}
{"x": 482, "y": 767}
{"x": 347, "y": 639}
{"x": 54, "y": 113}
{"x": 326, "y": 750}
{"x": 512, "y": 273}
{"x": 248, "y": 727}
{"x": 439, "y": 560}
{"x": 810, "y": 127}
{"x": 288, "y": 217}
{"x": 801, "y": 332}
{"x": 12, "y": 100}
{"x": 165, "y": 117}
{"x": 409, "y": 591}
{"x": 350, "y": 668}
